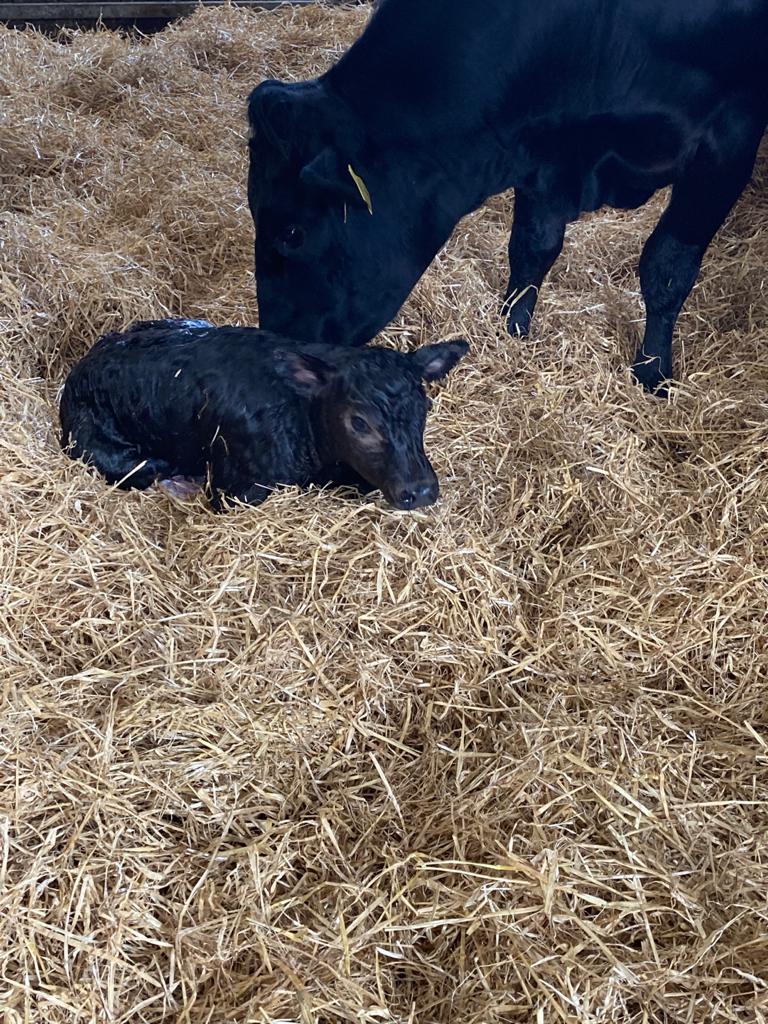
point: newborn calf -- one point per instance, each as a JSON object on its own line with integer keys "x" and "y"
{"x": 247, "y": 410}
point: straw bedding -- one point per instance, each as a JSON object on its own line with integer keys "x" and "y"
{"x": 503, "y": 761}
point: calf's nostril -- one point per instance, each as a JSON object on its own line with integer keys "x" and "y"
{"x": 406, "y": 498}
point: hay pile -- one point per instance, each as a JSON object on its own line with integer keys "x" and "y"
{"x": 506, "y": 761}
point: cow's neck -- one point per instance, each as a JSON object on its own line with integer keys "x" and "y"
{"x": 429, "y": 80}
{"x": 475, "y": 167}
{"x": 432, "y": 65}
{"x": 463, "y": 167}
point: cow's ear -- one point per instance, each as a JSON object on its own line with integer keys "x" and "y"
{"x": 272, "y": 110}
{"x": 305, "y": 374}
{"x": 330, "y": 173}
{"x": 436, "y": 361}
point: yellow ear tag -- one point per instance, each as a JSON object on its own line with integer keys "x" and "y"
{"x": 366, "y": 196}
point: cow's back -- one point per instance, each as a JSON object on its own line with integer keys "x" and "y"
{"x": 444, "y": 63}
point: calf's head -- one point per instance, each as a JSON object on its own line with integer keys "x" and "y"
{"x": 344, "y": 227}
{"x": 369, "y": 409}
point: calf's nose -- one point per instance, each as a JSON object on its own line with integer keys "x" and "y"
{"x": 417, "y": 495}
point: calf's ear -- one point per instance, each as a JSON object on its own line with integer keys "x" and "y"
{"x": 303, "y": 373}
{"x": 436, "y": 361}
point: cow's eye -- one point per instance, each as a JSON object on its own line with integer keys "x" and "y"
{"x": 359, "y": 425}
{"x": 291, "y": 239}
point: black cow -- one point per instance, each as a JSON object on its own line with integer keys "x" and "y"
{"x": 357, "y": 178}
{"x": 178, "y": 400}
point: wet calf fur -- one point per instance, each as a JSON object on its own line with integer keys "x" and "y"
{"x": 247, "y": 410}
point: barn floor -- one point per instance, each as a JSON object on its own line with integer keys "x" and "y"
{"x": 504, "y": 761}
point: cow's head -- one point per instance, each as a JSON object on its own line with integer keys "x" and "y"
{"x": 370, "y": 410}
{"x": 344, "y": 227}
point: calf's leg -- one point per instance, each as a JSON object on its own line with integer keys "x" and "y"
{"x": 534, "y": 245}
{"x": 121, "y": 463}
{"x": 236, "y": 471}
{"x": 669, "y": 266}
{"x": 342, "y": 475}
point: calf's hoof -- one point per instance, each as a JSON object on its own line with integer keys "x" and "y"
{"x": 180, "y": 487}
{"x": 654, "y": 377}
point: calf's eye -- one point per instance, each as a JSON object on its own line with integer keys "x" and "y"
{"x": 359, "y": 425}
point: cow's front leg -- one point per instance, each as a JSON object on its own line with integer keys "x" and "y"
{"x": 668, "y": 271}
{"x": 534, "y": 245}
{"x": 669, "y": 266}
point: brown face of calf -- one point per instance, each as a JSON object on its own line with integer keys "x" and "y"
{"x": 370, "y": 409}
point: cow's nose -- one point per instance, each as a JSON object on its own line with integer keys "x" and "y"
{"x": 418, "y": 495}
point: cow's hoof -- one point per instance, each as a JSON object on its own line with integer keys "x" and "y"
{"x": 650, "y": 374}
{"x": 518, "y": 308}
{"x": 181, "y": 487}
{"x": 519, "y": 326}
{"x": 519, "y": 316}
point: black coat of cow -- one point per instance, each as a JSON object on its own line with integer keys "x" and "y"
{"x": 178, "y": 401}
{"x": 441, "y": 103}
